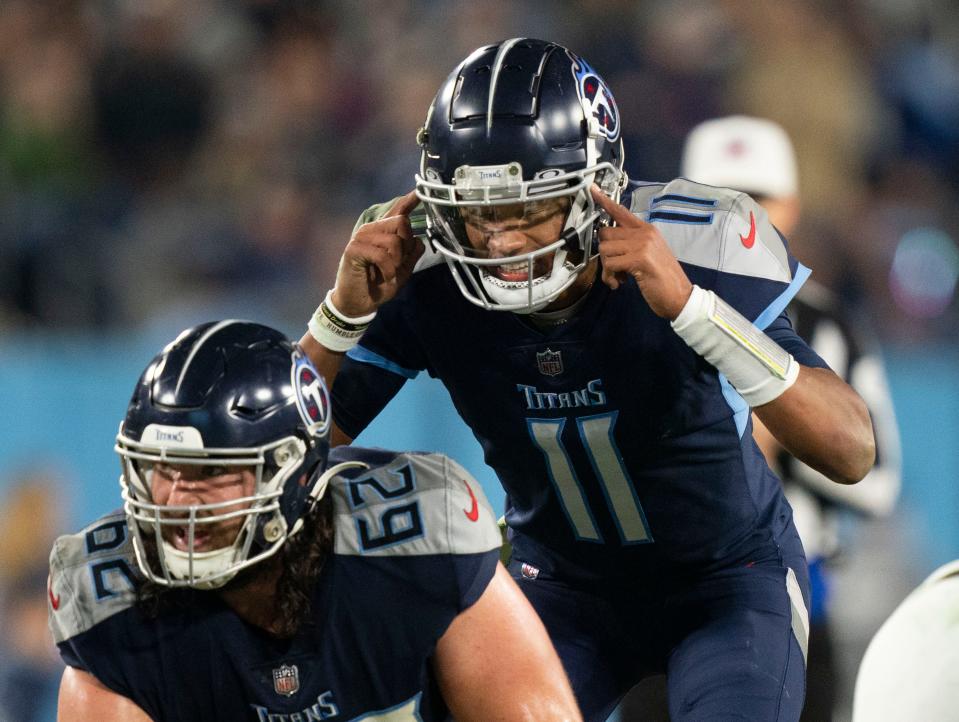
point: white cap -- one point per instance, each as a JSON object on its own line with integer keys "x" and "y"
{"x": 753, "y": 155}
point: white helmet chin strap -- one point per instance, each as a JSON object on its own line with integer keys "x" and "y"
{"x": 515, "y": 296}
{"x": 210, "y": 570}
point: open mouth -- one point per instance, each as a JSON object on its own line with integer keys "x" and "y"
{"x": 513, "y": 272}
{"x": 181, "y": 539}
{"x": 518, "y": 272}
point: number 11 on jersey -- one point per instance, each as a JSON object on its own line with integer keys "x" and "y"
{"x": 596, "y": 434}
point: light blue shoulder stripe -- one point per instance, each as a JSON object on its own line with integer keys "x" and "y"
{"x": 736, "y": 402}
{"x": 365, "y": 356}
{"x": 782, "y": 300}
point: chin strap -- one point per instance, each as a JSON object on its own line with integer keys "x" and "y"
{"x": 320, "y": 487}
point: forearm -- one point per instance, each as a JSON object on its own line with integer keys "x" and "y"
{"x": 327, "y": 362}
{"x": 824, "y": 423}
{"x": 875, "y": 495}
{"x": 812, "y": 412}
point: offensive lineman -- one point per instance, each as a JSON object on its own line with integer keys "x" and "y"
{"x": 248, "y": 579}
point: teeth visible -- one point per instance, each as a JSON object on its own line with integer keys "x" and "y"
{"x": 521, "y": 266}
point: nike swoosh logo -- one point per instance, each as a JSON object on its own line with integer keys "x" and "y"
{"x": 473, "y": 513}
{"x": 749, "y": 240}
{"x": 54, "y": 600}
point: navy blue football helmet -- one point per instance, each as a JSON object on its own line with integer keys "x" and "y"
{"x": 231, "y": 395}
{"x": 522, "y": 124}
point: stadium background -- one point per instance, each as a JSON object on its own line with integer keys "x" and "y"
{"x": 165, "y": 162}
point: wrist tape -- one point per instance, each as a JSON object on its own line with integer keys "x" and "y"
{"x": 756, "y": 366}
{"x": 334, "y": 330}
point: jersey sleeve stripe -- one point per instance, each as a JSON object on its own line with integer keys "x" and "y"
{"x": 364, "y": 355}
{"x": 779, "y": 303}
{"x": 737, "y": 403}
{"x": 677, "y": 217}
{"x": 677, "y": 198}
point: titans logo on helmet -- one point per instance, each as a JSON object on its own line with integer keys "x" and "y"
{"x": 312, "y": 398}
{"x": 596, "y": 97}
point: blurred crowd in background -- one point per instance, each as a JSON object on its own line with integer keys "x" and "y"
{"x": 167, "y": 161}
{"x": 157, "y": 154}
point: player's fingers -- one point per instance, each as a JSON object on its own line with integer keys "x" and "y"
{"x": 366, "y": 254}
{"x": 613, "y": 247}
{"x": 621, "y": 233}
{"x": 409, "y": 259}
{"x": 609, "y": 278}
{"x": 409, "y": 240}
{"x": 403, "y": 205}
{"x": 383, "y": 238}
{"x": 617, "y": 212}
{"x": 399, "y": 238}
{"x": 403, "y": 252}
{"x": 395, "y": 226}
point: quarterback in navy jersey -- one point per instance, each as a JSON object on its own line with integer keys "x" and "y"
{"x": 605, "y": 344}
{"x": 253, "y": 575}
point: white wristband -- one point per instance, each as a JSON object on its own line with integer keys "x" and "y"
{"x": 334, "y": 330}
{"x": 756, "y": 366}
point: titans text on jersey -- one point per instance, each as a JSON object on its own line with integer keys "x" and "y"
{"x": 608, "y": 420}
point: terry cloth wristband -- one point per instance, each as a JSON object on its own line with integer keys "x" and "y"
{"x": 334, "y": 330}
{"x": 756, "y": 366}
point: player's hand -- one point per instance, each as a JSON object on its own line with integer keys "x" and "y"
{"x": 378, "y": 260}
{"x": 637, "y": 248}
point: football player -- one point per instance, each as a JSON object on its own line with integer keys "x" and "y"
{"x": 605, "y": 343}
{"x": 755, "y": 155}
{"x": 252, "y": 576}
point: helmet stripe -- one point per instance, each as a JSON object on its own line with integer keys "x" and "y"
{"x": 504, "y": 48}
{"x": 196, "y": 347}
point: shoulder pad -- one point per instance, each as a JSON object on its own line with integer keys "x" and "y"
{"x": 93, "y": 575}
{"x": 413, "y": 504}
{"x": 715, "y": 228}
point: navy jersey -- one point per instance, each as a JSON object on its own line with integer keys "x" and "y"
{"x": 415, "y": 544}
{"x": 621, "y": 450}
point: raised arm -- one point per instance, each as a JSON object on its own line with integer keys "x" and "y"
{"x": 496, "y": 661}
{"x": 375, "y": 264}
{"x": 813, "y": 413}
{"x": 84, "y": 699}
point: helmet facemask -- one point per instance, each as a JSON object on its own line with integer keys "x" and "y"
{"x": 259, "y": 524}
{"x": 515, "y": 124}
{"x": 234, "y": 416}
{"x": 484, "y": 201}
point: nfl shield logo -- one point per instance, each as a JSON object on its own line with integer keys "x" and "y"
{"x": 286, "y": 680}
{"x": 550, "y": 362}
